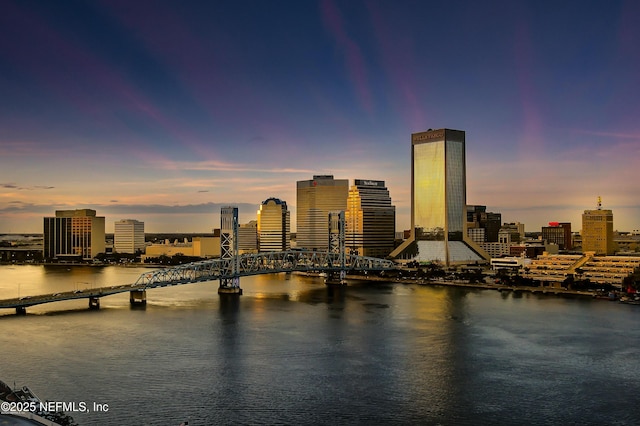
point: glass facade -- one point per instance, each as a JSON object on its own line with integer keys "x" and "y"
{"x": 429, "y": 206}
{"x": 57, "y": 237}
{"x": 274, "y": 226}
{"x": 439, "y": 196}
{"x": 315, "y": 199}
{"x": 74, "y": 233}
{"x": 455, "y": 189}
{"x": 438, "y": 201}
{"x": 370, "y": 219}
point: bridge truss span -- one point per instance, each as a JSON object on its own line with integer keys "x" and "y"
{"x": 229, "y": 269}
{"x": 261, "y": 263}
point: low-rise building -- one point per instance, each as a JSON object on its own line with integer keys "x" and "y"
{"x": 610, "y": 270}
{"x": 205, "y": 247}
{"x": 509, "y": 263}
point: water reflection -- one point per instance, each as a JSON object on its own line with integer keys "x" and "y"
{"x": 298, "y": 352}
{"x": 229, "y": 307}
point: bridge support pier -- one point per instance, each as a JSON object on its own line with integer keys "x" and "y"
{"x": 138, "y": 297}
{"x": 230, "y": 286}
{"x": 21, "y": 310}
{"x": 94, "y": 303}
{"x": 230, "y": 290}
{"x": 336, "y": 278}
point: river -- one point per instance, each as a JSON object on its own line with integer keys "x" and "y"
{"x": 293, "y": 351}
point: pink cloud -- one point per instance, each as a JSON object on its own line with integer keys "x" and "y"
{"x": 353, "y": 56}
{"x": 86, "y": 75}
{"x": 399, "y": 61}
{"x": 525, "y": 62}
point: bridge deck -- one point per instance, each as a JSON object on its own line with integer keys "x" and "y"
{"x": 216, "y": 269}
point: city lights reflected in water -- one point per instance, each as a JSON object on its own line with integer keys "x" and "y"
{"x": 295, "y": 351}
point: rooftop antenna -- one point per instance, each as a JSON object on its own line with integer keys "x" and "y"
{"x": 599, "y": 203}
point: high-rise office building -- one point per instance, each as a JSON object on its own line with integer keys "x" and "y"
{"x": 478, "y": 217}
{"x": 558, "y": 233}
{"x": 438, "y": 200}
{"x": 274, "y": 233}
{"x": 597, "y": 231}
{"x": 73, "y": 235}
{"x": 315, "y": 199}
{"x": 128, "y": 236}
{"x": 248, "y": 237}
{"x": 370, "y": 219}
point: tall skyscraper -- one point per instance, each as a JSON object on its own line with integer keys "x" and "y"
{"x": 274, "y": 233}
{"x": 438, "y": 201}
{"x": 128, "y": 236}
{"x": 370, "y": 219}
{"x": 73, "y": 235}
{"x": 597, "y": 231}
{"x": 315, "y": 199}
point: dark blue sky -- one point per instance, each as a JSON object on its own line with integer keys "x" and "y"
{"x": 164, "y": 110}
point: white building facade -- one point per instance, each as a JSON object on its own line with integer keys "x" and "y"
{"x": 128, "y": 236}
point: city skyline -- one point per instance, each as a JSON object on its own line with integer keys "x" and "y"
{"x": 164, "y": 112}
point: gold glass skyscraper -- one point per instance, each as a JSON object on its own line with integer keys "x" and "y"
{"x": 370, "y": 219}
{"x": 438, "y": 201}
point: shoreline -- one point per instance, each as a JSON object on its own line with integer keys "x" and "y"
{"x": 544, "y": 290}
{"x": 481, "y": 286}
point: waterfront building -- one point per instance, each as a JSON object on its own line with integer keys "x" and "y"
{"x": 128, "y": 236}
{"x": 274, "y": 228}
{"x": 438, "y": 201}
{"x": 597, "y": 230}
{"x": 248, "y": 237}
{"x": 315, "y": 198}
{"x": 510, "y": 263}
{"x": 558, "y": 233}
{"x": 205, "y": 247}
{"x": 598, "y": 270}
{"x": 370, "y": 219}
{"x": 73, "y": 235}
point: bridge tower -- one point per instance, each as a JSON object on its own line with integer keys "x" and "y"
{"x": 337, "y": 247}
{"x": 230, "y": 281}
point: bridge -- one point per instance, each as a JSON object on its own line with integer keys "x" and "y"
{"x": 228, "y": 269}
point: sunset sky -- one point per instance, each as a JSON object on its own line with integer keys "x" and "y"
{"x": 163, "y": 111}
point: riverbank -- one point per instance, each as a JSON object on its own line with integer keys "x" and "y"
{"x": 478, "y": 286}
